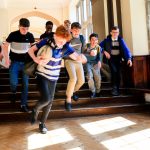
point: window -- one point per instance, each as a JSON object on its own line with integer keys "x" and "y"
{"x": 84, "y": 17}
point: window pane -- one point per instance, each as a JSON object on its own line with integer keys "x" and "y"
{"x": 85, "y": 10}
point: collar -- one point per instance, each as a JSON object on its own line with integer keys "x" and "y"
{"x": 114, "y": 39}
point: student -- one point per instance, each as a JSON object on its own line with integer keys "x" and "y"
{"x": 74, "y": 68}
{"x": 93, "y": 65}
{"x": 19, "y": 41}
{"x": 48, "y": 75}
{"x": 67, "y": 24}
{"x": 48, "y": 33}
{"x": 115, "y": 48}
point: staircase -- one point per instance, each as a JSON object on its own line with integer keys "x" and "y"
{"x": 127, "y": 102}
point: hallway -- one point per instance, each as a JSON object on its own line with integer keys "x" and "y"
{"x": 108, "y": 132}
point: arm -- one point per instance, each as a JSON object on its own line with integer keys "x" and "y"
{"x": 39, "y": 59}
{"x": 5, "y": 48}
{"x": 78, "y": 57}
{"x": 102, "y": 45}
{"x": 127, "y": 53}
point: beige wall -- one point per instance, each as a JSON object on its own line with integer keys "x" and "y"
{"x": 134, "y": 26}
{"x": 98, "y": 18}
{"x": 4, "y": 24}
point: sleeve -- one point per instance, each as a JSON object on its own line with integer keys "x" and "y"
{"x": 68, "y": 50}
{"x": 41, "y": 36}
{"x": 126, "y": 50}
{"x": 101, "y": 44}
{"x": 98, "y": 54}
{"x": 41, "y": 43}
{"x": 83, "y": 43}
{"x": 10, "y": 38}
{"x": 32, "y": 40}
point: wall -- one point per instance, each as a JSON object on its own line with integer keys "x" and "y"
{"x": 134, "y": 26}
{"x": 7, "y": 15}
{"x": 98, "y": 18}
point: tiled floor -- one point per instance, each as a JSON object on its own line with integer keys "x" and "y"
{"x": 111, "y": 132}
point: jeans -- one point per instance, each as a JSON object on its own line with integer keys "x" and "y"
{"x": 94, "y": 77}
{"x": 47, "y": 91}
{"x": 14, "y": 70}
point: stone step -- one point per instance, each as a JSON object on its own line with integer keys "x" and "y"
{"x": 92, "y": 110}
{"x": 60, "y": 94}
{"x": 60, "y": 86}
{"x": 5, "y": 104}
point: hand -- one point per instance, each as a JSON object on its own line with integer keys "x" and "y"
{"x": 40, "y": 60}
{"x": 129, "y": 63}
{"x": 107, "y": 55}
{"x": 99, "y": 64}
{"x": 93, "y": 53}
{"x": 82, "y": 59}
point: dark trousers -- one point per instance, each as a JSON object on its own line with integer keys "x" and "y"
{"x": 114, "y": 64}
{"x": 47, "y": 91}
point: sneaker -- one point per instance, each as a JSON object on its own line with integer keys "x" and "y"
{"x": 75, "y": 97}
{"x": 115, "y": 92}
{"x": 24, "y": 108}
{"x": 93, "y": 95}
{"x": 33, "y": 117}
{"x": 68, "y": 106}
{"x": 13, "y": 98}
{"x": 42, "y": 128}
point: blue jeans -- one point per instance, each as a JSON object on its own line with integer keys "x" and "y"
{"x": 14, "y": 70}
{"x": 47, "y": 91}
{"x": 94, "y": 77}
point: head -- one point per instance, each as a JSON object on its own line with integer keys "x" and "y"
{"x": 94, "y": 39}
{"x": 75, "y": 29}
{"x": 67, "y": 24}
{"x": 49, "y": 26}
{"x": 24, "y": 25}
{"x": 114, "y": 32}
{"x": 61, "y": 36}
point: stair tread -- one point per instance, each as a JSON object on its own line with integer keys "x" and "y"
{"x": 74, "y": 108}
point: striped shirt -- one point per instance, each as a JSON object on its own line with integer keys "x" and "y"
{"x": 52, "y": 69}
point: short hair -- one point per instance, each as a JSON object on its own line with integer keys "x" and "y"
{"x": 24, "y": 22}
{"x": 63, "y": 32}
{"x": 75, "y": 25}
{"x": 115, "y": 28}
{"x": 49, "y": 23}
{"x": 67, "y": 21}
{"x": 93, "y": 35}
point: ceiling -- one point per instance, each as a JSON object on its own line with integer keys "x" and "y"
{"x": 42, "y": 4}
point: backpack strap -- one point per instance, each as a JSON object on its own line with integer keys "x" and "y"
{"x": 82, "y": 41}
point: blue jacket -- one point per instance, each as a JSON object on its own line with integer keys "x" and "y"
{"x": 106, "y": 45}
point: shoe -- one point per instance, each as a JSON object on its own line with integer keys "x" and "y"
{"x": 24, "y": 108}
{"x": 68, "y": 106}
{"x": 75, "y": 97}
{"x": 13, "y": 98}
{"x": 33, "y": 117}
{"x": 42, "y": 128}
{"x": 115, "y": 92}
{"x": 93, "y": 95}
